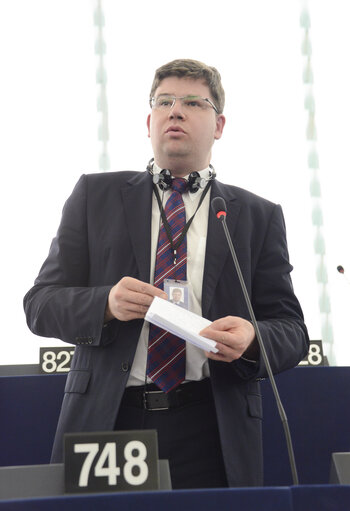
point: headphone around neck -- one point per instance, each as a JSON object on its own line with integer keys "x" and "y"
{"x": 164, "y": 178}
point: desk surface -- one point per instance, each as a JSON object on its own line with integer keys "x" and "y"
{"x": 301, "y": 498}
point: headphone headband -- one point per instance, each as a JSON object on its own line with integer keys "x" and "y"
{"x": 164, "y": 178}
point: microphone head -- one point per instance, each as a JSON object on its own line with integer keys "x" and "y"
{"x": 340, "y": 269}
{"x": 219, "y": 207}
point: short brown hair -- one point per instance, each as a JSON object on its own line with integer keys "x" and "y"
{"x": 187, "y": 68}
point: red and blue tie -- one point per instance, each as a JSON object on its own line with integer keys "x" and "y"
{"x": 166, "y": 360}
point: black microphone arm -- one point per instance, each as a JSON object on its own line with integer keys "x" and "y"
{"x": 219, "y": 206}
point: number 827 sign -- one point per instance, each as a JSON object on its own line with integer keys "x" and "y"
{"x": 111, "y": 461}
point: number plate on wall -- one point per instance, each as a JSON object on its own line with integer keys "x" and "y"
{"x": 55, "y": 360}
{"x": 315, "y": 356}
{"x": 111, "y": 461}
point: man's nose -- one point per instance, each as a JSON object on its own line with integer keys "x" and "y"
{"x": 177, "y": 109}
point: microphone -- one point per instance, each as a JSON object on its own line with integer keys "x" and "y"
{"x": 341, "y": 270}
{"x": 219, "y": 207}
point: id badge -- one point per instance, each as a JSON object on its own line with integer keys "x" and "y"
{"x": 178, "y": 292}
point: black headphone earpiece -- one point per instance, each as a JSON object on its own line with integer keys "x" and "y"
{"x": 163, "y": 179}
{"x": 195, "y": 182}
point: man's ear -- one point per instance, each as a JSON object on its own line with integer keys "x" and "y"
{"x": 148, "y": 125}
{"x": 220, "y": 123}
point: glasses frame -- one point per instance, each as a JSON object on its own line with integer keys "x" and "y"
{"x": 174, "y": 98}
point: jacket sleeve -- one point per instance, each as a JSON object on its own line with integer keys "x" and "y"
{"x": 277, "y": 310}
{"x": 61, "y": 303}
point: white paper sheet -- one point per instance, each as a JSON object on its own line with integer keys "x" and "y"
{"x": 180, "y": 322}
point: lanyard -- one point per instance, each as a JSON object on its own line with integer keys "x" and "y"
{"x": 167, "y": 228}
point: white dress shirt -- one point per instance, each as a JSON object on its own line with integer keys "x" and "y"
{"x": 197, "y": 366}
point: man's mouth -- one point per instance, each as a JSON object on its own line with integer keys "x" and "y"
{"x": 174, "y": 129}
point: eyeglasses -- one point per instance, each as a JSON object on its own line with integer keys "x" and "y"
{"x": 189, "y": 103}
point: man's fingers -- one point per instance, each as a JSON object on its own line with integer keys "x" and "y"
{"x": 222, "y": 324}
{"x": 225, "y": 353}
{"x": 129, "y": 315}
{"x": 131, "y": 298}
{"x": 128, "y": 310}
{"x": 143, "y": 288}
{"x": 229, "y": 350}
{"x": 221, "y": 336}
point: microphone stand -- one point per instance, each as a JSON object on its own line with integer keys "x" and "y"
{"x": 281, "y": 410}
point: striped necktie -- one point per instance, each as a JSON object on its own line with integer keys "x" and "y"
{"x": 166, "y": 360}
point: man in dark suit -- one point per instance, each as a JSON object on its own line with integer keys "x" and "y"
{"x": 97, "y": 284}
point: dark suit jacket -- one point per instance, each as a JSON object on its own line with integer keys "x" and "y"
{"x": 105, "y": 235}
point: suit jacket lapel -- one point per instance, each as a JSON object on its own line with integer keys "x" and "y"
{"x": 217, "y": 248}
{"x": 137, "y": 198}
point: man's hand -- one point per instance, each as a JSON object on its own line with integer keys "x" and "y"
{"x": 130, "y": 299}
{"x": 234, "y": 337}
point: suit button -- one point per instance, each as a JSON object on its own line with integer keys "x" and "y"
{"x": 125, "y": 367}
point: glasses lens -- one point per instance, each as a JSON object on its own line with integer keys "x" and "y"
{"x": 195, "y": 102}
{"x": 163, "y": 101}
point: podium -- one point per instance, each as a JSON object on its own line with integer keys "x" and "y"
{"x": 316, "y": 400}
